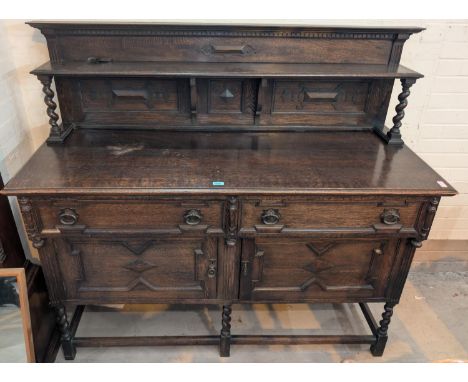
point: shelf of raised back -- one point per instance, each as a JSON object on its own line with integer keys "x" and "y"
{"x": 211, "y": 69}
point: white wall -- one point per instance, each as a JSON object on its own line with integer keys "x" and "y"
{"x": 436, "y": 121}
{"x": 435, "y": 126}
{"x": 23, "y": 122}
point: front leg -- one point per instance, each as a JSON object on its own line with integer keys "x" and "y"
{"x": 225, "y": 339}
{"x": 378, "y": 347}
{"x": 68, "y": 348}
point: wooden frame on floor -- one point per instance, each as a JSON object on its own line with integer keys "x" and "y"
{"x": 20, "y": 276}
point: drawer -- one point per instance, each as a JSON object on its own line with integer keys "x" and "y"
{"x": 316, "y": 102}
{"x": 225, "y": 46}
{"x": 121, "y": 215}
{"x": 127, "y": 269}
{"x": 280, "y": 216}
{"x": 311, "y": 269}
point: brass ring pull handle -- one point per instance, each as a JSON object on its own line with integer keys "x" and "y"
{"x": 68, "y": 216}
{"x": 390, "y": 216}
{"x": 270, "y": 217}
{"x": 193, "y": 217}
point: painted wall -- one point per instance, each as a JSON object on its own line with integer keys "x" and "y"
{"x": 435, "y": 126}
{"x": 23, "y": 122}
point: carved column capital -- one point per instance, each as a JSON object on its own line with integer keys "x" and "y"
{"x": 31, "y": 222}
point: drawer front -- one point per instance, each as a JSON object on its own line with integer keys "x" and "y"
{"x": 132, "y": 216}
{"x": 302, "y": 269}
{"x": 316, "y": 102}
{"x": 225, "y": 101}
{"x": 254, "y": 47}
{"x": 277, "y": 216}
{"x": 120, "y": 101}
{"x": 126, "y": 270}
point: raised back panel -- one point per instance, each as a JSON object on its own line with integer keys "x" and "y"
{"x": 119, "y": 75}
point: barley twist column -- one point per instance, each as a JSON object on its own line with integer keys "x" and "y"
{"x": 394, "y": 135}
{"x": 46, "y": 82}
{"x": 225, "y": 339}
{"x": 378, "y": 347}
{"x": 58, "y": 132}
{"x": 68, "y": 348}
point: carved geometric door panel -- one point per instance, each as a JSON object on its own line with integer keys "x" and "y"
{"x": 138, "y": 270}
{"x": 118, "y": 101}
{"x": 226, "y": 101}
{"x": 305, "y": 102}
{"x": 277, "y": 268}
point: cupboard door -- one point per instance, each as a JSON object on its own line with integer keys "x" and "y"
{"x": 328, "y": 269}
{"x": 138, "y": 270}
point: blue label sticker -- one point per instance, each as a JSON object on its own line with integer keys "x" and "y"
{"x": 218, "y": 183}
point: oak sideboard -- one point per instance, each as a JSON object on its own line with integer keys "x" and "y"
{"x": 225, "y": 164}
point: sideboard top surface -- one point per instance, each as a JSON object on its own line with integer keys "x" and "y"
{"x": 206, "y": 26}
{"x": 141, "y": 162}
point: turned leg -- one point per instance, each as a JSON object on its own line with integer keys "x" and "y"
{"x": 378, "y": 347}
{"x": 225, "y": 339}
{"x": 394, "y": 135}
{"x": 68, "y": 348}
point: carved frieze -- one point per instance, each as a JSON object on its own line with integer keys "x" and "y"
{"x": 206, "y": 32}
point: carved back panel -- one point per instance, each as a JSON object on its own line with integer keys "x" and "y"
{"x": 168, "y": 103}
